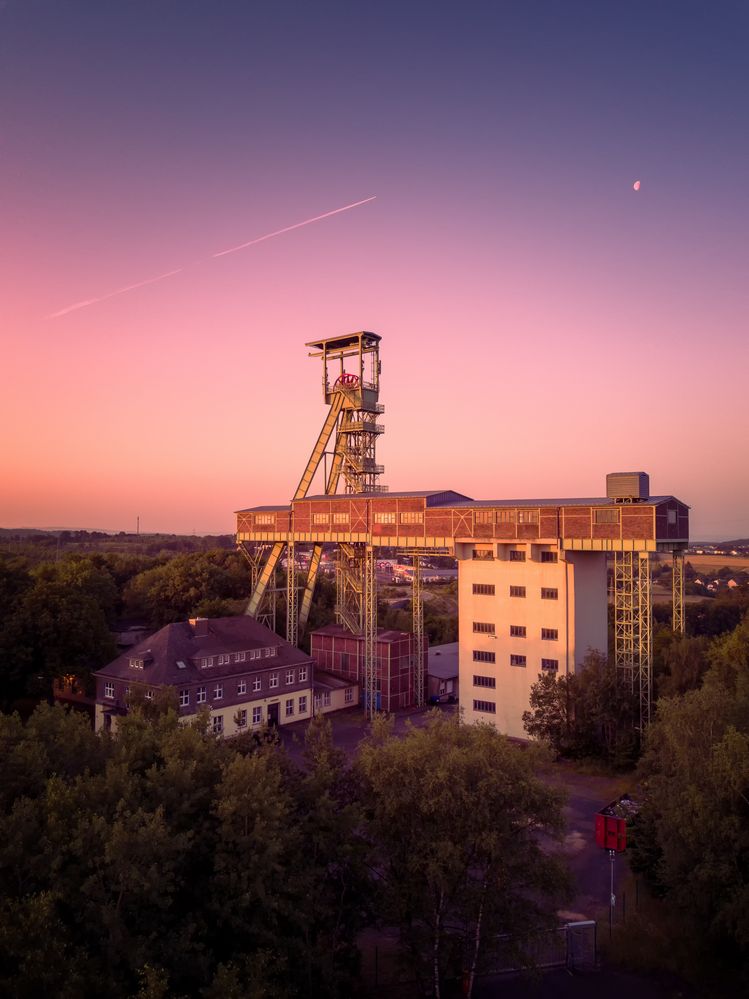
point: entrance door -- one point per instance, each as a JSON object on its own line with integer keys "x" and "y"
{"x": 273, "y": 713}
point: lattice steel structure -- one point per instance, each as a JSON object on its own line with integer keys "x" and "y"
{"x": 633, "y": 627}
{"x": 353, "y": 403}
{"x": 677, "y": 592}
{"x": 267, "y": 609}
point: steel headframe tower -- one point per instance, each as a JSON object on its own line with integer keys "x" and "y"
{"x": 351, "y": 383}
{"x": 677, "y": 591}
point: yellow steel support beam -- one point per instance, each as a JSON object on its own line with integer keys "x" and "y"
{"x": 319, "y": 449}
{"x": 268, "y": 570}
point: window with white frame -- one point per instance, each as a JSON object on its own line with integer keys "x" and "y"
{"x": 207, "y": 661}
{"x": 218, "y": 691}
{"x": 289, "y": 707}
{"x": 218, "y": 724}
{"x": 241, "y": 687}
{"x": 149, "y": 695}
{"x": 303, "y": 705}
{"x": 348, "y": 695}
{"x": 320, "y": 518}
{"x": 289, "y": 676}
{"x": 267, "y": 653}
{"x": 302, "y": 674}
{"x": 109, "y": 690}
{"x": 384, "y": 517}
{"x": 412, "y": 517}
{"x": 326, "y": 699}
{"x": 241, "y": 718}
{"x": 264, "y": 518}
{"x": 184, "y": 698}
{"x": 240, "y": 657}
{"x": 257, "y": 715}
{"x": 340, "y": 518}
{"x": 224, "y": 660}
{"x": 273, "y": 680}
{"x": 200, "y": 697}
{"x": 254, "y": 653}
{"x": 256, "y": 683}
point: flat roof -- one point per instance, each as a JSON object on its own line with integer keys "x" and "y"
{"x": 443, "y": 661}
{"x": 347, "y": 340}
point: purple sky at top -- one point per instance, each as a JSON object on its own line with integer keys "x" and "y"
{"x": 543, "y": 324}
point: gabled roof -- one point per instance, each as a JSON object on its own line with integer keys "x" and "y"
{"x": 178, "y": 643}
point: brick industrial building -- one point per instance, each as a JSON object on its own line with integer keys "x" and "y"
{"x": 532, "y": 573}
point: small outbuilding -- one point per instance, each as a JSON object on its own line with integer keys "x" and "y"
{"x": 442, "y": 673}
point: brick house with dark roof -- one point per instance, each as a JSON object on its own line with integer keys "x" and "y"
{"x": 241, "y": 671}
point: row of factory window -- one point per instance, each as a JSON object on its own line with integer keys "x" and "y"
{"x": 240, "y": 718}
{"x": 516, "y": 555}
{"x": 506, "y": 516}
{"x": 516, "y": 631}
{"x": 382, "y": 517}
{"x": 225, "y": 658}
{"x": 552, "y": 665}
{"x": 487, "y": 590}
{"x": 292, "y": 676}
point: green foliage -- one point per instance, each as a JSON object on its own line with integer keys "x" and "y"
{"x": 455, "y": 817}
{"x": 173, "y": 591}
{"x": 588, "y": 713}
{"x": 692, "y": 835}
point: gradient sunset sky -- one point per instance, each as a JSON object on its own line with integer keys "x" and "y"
{"x": 543, "y": 323}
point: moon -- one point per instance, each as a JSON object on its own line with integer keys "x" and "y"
{"x": 636, "y": 186}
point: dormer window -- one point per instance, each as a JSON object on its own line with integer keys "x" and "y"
{"x": 137, "y": 663}
{"x": 208, "y": 661}
{"x": 223, "y": 660}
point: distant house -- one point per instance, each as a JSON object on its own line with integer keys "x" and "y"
{"x": 334, "y": 692}
{"x": 242, "y": 672}
{"x": 442, "y": 672}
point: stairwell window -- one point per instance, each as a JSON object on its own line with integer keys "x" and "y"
{"x": 549, "y": 593}
{"x": 484, "y": 628}
{"x": 484, "y": 657}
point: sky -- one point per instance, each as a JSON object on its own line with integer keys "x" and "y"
{"x": 543, "y": 323}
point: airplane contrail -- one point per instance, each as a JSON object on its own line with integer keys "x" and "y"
{"x": 220, "y": 253}
{"x": 111, "y": 294}
{"x": 288, "y": 228}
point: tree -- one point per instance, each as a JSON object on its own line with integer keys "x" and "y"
{"x": 549, "y": 719}
{"x": 455, "y": 816}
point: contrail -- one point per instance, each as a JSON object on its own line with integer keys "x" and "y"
{"x": 297, "y": 225}
{"x": 120, "y": 291}
{"x": 221, "y": 253}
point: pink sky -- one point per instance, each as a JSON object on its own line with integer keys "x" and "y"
{"x": 543, "y": 324}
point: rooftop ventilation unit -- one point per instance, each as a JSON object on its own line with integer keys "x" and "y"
{"x": 627, "y": 487}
